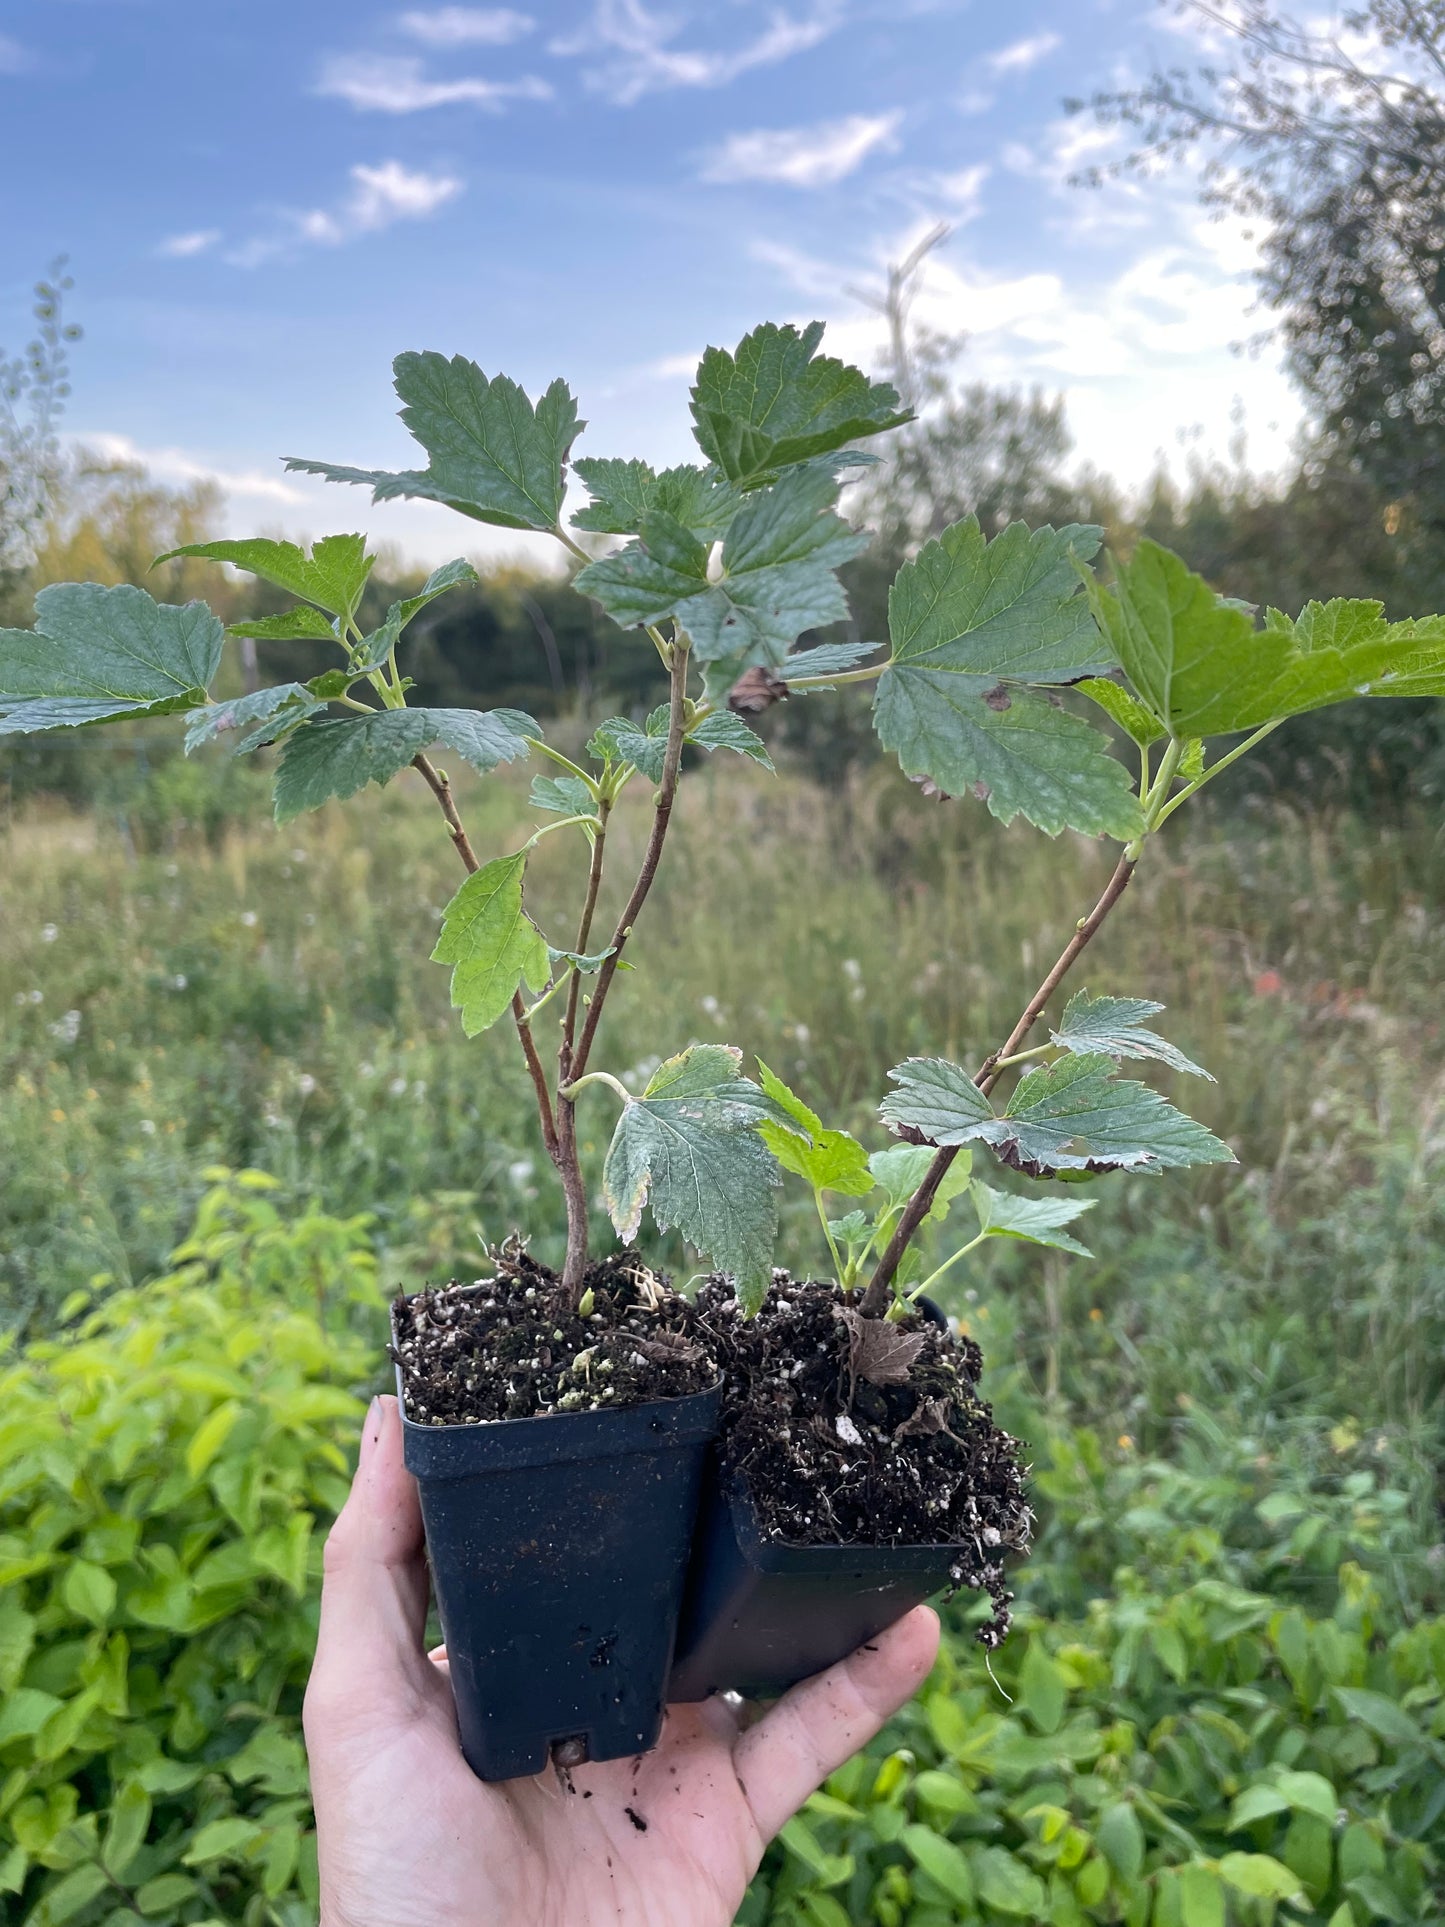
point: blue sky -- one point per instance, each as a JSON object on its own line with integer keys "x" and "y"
{"x": 263, "y": 203}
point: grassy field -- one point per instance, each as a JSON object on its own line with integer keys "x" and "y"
{"x": 1235, "y": 1412}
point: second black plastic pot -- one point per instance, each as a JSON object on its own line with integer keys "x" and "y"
{"x": 760, "y": 1614}
{"x": 558, "y": 1549}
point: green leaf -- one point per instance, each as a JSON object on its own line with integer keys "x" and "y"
{"x": 301, "y": 624}
{"x": 776, "y": 401}
{"x": 624, "y": 494}
{"x": 775, "y": 579}
{"x": 1382, "y": 1716}
{"x": 334, "y": 759}
{"x": 583, "y": 964}
{"x": 1041, "y": 1688}
{"x": 492, "y": 456}
{"x": 377, "y": 647}
{"x": 1309, "y": 1793}
{"x": 1006, "y": 1884}
{"x": 220, "y": 1840}
{"x": 1115, "y": 1025}
{"x": 827, "y": 1160}
{"x": 1259, "y": 1802}
{"x": 827, "y": 659}
{"x": 69, "y": 1895}
{"x": 165, "y": 1893}
{"x": 1198, "y": 662}
{"x": 691, "y": 1142}
{"x": 492, "y": 944}
{"x": 1131, "y": 715}
{"x": 97, "y": 654}
{"x": 1201, "y": 1898}
{"x": 1120, "y": 1838}
{"x": 644, "y": 745}
{"x": 722, "y": 730}
{"x": 1076, "y": 1103}
{"x": 941, "y": 1861}
{"x": 333, "y": 575}
{"x": 973, "y": 624}
{"x": 562, "y": 795}
{"x": 126, "y": 1829}
{"x": 902, "y": 1168}
{"x": 262, "y": 717}
{"x": 1261, "y": 1875}
{"x": 1037, "y": 1221}
{"x": 89, "y": 1591}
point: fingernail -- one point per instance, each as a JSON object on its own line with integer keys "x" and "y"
{"x": 370, "y": 1431}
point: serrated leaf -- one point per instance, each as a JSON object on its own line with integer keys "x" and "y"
{"x": 1071, "y": 1116}
{"x": 97, "y": 654}
{"x": 263, "y": 716}
{"x": 775, "y": 578}
{"x": 301, "y": 624}
{"x": 333, "y": 575}
{"x": 827, "y": 1160}
{"x": 826, "y": 659}
{"x": 775, "y": 401}
{"x": 562, "y": 795}
{"x": 1126, "y": 710}
{"x": 585, "y": 966}
{"x": 974, "y": 624}
{"x": 691, "y": 1143}
{"x": 722, "y": 730}
{"x": 644, "y": 745}
{"x": 1116, "y": 1025}
{"x": 1200, "y": 664}
{"x": 491, "y": 943}
{"x": 376, "y": 647}
{"x": 492, "y": 456}
{"x": 326, "y": 761}
{"x": 901, "y": 1168}
{"x": 1038, "y": 1221}
{"x": 624, "y": 494}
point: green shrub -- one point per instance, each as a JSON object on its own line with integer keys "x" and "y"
{"x": 1170, "y": 1760}
{"x": 167, "y": 1470}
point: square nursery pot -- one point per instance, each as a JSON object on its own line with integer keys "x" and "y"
{"x": 760, "y": 1614}
{"x": 558, "y": 1549}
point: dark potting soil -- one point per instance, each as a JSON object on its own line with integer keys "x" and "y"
{"x": 853, "y": 1431}
{"x": 509, "y": 1347}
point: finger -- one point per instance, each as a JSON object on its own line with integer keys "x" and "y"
{"x": 822, "y": 1722}
{"x": 374, "y": 1593}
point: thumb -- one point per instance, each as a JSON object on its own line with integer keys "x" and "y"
{"x": 369, "y": 1651}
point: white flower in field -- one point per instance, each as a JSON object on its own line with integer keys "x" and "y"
{"x": 520, "y": 1170}
{"x": 36, "y": 997}
{"x": 711, "y": 1007}
{"x": 397, "y": 1087}
{"x": 366, "y": 1070}
{"x": 173, "y": 869}
{"x": 309, "y": 918}
{"x": 306, "y": 1083}
{"x": 853, "y": 970}
{"x": 68, "y": 1027}
{"x": 271, "y": 1121}
{"x": 49, "y": 932}
{"x": 248, "y": 918}
{"x": 147, "y": 1125}
{"x": 802, "y": 1033}
{"x": 180, "y": 980}
{"x": 298, "y": 856}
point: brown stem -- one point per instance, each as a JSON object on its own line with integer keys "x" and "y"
{"x": 661, "y": 816}
{"x": 875, "y": 1299}
{"x": 441, "y": 789}
{"x": 568, "y": 1162}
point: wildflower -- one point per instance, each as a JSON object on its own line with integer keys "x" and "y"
{"x": 366, "y": 1070}
{"x": 1268, "y": 983}
{"x": 57, "y": 1117}
{"x": 248, "y": 918}
{"x": 397, "y": 1087}
{"x": 1126, "y": 1444}
{"x": 1095, "y": 1315}
{"x": 520, "y": 1170}
{"x": 67, "y": 1029}
{"x": 148, "y": 1126}
{"x": 802, "y": 1034}
{"x": 711, "y": 1007}
{"x": 298, "y": 856}
{"x": 179, "y": 981}
{"x": 853, "y": 970}
{"x": 49, "y": 932}
{"x": 37, "y": 997}
{"x": 306, "y": 1083}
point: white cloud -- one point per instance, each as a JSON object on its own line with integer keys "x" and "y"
{"x": 180, "y": 247}
{"x": 467, "y": 26}
{"x": 13, "y": 57}
{"x": 803, "y": 156}
{"x": 176, "y": 466}
{"x": 380, "y": 84}
{"x": 380, "y": 197}
{"x": 1020, "y": 55}
{"x": 637, "y": 57}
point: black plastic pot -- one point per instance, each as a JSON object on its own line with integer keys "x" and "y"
{"x": 558, "y": 1550}
{"x": 760, "y": 1615}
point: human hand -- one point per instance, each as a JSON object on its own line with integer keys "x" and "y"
{"x": 407, "y": 1834}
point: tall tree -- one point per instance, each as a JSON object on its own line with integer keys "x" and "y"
{"x": 1333, "y": 140}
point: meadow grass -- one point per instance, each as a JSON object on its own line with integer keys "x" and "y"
{"x": 183, "y": 986}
